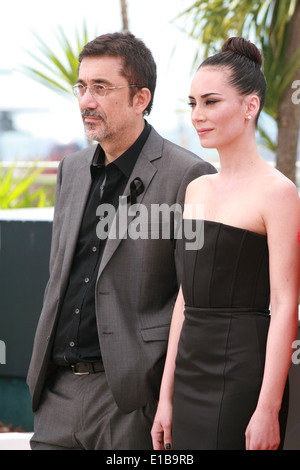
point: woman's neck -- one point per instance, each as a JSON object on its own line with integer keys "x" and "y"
{"x": 239, "y": 159}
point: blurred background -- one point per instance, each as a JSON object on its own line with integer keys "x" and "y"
{"x": 39, "y": 117}
{"x": 37, "y": 122}
{"x": 40, "y": 122}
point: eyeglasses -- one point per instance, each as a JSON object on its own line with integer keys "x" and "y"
{"x": 95, "y": 89}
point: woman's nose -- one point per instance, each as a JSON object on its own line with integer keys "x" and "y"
{"x": 197, "y": 115}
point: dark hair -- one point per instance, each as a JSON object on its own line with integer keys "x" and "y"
{"x": 244, "y": 60}
{"x": 139, "y": 67}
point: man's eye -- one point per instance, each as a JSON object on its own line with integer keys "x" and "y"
{"x": 99, "y": 89}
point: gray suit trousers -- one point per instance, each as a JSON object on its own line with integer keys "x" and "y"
{"x": 80, "y": 413}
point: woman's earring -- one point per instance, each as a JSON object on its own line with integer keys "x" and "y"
{"x": 249, "y": 117}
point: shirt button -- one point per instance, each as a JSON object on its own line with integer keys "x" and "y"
{"x": 77, "y": 311}
{"x": 86, "y": 280}
{"x": 94, "y": 249}
{"x": 72, "y": 344}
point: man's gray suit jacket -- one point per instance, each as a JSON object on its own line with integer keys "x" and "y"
{"x": 137, "y": 284}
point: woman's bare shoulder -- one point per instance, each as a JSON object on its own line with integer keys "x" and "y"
{"x": 277, "y": 186}
{"x": 202, "y": 181}
{"x": 280, "y": 202}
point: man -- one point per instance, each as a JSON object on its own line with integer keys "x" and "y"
{"x": 101, "y": 340}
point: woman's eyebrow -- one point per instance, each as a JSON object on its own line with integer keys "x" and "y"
{"x": 209, "y": 94}
{"x": 206, "y": 95}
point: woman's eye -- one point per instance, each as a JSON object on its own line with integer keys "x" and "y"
{"x": 192, "y": 104}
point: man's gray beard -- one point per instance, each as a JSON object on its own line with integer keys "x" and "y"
{"x": 99, "y": 135}
{"x": 90, "y": 128}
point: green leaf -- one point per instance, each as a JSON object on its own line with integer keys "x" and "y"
{"x": 21, "y": 188}
{"x": 57, "y": 71}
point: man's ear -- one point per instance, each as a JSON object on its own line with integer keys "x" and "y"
{"x": 141, "y": 100}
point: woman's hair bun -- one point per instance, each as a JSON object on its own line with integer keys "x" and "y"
{"x": 243, "y": 47}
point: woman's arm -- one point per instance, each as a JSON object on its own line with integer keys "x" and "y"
{"x": 162, "y": 425}
{"x": 282, "y": 222}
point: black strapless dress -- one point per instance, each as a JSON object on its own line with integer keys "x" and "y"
{"x": 221, "y": 352}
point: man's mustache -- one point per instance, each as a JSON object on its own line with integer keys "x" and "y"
{"x": 87, "y": 112}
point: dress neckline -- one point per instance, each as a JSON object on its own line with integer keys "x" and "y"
{"x": 232, "y": 227}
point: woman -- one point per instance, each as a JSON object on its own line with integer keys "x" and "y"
{"x": 232, "y": 357}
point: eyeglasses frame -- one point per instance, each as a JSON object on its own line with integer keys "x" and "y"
{"x": 76, "y": 86}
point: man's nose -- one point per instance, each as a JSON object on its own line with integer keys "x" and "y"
{"x": 88, "y": 100}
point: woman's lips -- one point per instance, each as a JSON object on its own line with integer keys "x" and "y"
{"x": 203, "y": 131}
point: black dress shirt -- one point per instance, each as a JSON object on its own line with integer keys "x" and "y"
{"x": 76, "y": 337}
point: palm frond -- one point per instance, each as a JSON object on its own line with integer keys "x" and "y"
{"x": 57, "y": 70}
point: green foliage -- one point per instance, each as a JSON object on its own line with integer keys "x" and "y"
{"x": 22, "y": 188}
{"x": 59, "y": 71}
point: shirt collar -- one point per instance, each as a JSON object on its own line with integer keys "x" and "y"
{"x": 127, "y": 160}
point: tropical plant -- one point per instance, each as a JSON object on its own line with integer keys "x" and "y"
{"x": 20, "y": 189}
{"x": 59, "y": 71}
{"x": 275, "y": 27}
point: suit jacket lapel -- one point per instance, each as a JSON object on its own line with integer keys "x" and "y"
{"x": 145, "y": 170}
